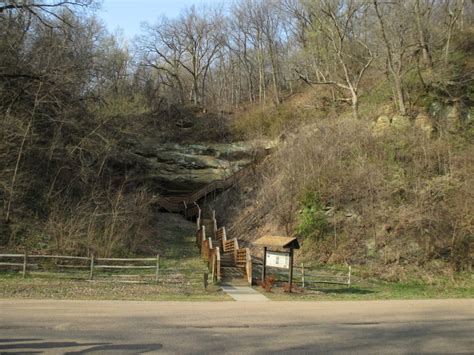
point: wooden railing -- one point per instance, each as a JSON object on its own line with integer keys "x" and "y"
{"x": 215, "y": 264}
{"x": 243, "y": 259}
{"x": 248, "y": 265}
{"x": 90, "y": 264}
{"x": 210, "y": 253}
{"x": 229, "y": 247}
{"x": 181, "y": 203}
{"x": 221, "y": 236}
{"x": 211, "y": 248}
{"x": 311, "y": 276}
{"x": 200, "y": 236}
{"x": 103, "y": 269}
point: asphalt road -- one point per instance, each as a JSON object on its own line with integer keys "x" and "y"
{"x": 121, "y": 327}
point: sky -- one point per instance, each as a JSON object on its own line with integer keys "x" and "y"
{"x": 128, "y": 14}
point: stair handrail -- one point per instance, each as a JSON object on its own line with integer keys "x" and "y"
{"x": 199, "y": 215}
{"x": 214, "y": 220}
{"x": 175, "y": 203}
{"x": 185, "y": 209}
{"x": 200, "y": 236}
{"x": 236, "y": 248}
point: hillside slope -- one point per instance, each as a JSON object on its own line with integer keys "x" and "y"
{"x": 394, "y": 193}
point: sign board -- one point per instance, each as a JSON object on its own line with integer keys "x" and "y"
{"x": 279, "y": 260}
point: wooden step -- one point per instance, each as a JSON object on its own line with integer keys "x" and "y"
{"x": 209, "y": 230}
{"x": 227, "y": 264}
{"x": 232, "y": 272}
{"x": 215, "y": 243}
{"x": 227, "y": 260}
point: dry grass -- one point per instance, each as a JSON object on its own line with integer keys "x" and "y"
{"x": 180, "y": 277}
{"x": 399, "y": 201}
{"x": 48, "y": 288}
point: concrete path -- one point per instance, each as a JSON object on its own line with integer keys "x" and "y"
{"x": 244, "y": 293}
{"x": 128, "y": 327}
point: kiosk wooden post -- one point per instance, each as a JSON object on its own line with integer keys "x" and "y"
{"x": 264, "y": 264}
{"x": 291, "y": 270}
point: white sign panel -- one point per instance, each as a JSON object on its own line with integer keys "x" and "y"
{"x": 280, "y": 260}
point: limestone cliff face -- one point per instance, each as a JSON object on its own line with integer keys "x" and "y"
{"x": 171, "y": 168}
{"x": 439, "y": 117}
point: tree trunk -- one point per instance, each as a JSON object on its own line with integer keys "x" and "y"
{"x": 261, "y": 77}
{"x": 452, "y": 21}
{"x": 15, "y": 172}
{"x": 195, "y": 90}
{"x": 395, "y": 72}
{"x": 399, "y": 95}
{"x": 274, "y": 75}
{"x": 355, "y": 104}
{"x": 422, "y": 38}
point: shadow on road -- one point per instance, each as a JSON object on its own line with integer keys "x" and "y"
{"x": 37, "y": 346}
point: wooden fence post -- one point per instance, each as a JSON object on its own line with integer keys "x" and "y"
{"x": 206, "y": 275}
{"x": 157, "y": 267}
{"x": 91, "y": 276}
{"x": 302, "y": 275}
{"x": 25, "y": 263}
{"x": 349, "y": 277}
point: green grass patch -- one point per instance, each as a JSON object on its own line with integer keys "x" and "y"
{"x": 378, "y": 290}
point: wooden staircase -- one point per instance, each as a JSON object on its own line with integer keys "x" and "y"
{"x": 227, "y": 261}
{"x": 185, "y": 203}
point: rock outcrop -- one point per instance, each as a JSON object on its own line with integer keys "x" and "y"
{"x": 384, "y": 124}
{"x": 171, "y": 168}
{"x": 425, "y": 124}
{"x": 381, "y": 126}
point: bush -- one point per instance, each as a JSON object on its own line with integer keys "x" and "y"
{"x": 312, "y": 220}
{"x": 120, "y": 224}
{"x": 264, "y": 121}
{"x": 268, "y": 283}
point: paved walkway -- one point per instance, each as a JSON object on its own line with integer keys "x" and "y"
{"x": 244, "y": 293}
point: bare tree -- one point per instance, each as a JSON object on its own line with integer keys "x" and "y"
{"x": 454, "y": 9}
{"x": 422, "y": 16}
{"x": 240, "y": 44}
{"x": 340, "y": 23}
{"x": 202, "y": 36}
{"x": 163, "y": 50}
{"x": 186, "y": 46}
{"x": 397, "y": 37}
